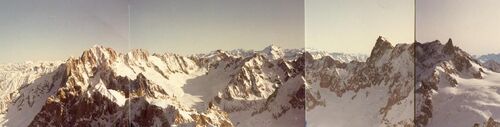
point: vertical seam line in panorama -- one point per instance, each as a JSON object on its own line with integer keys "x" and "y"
{"x": 414, "y": 61}
{"x": 129, "y": 88}
{"x": 303, "y": 55}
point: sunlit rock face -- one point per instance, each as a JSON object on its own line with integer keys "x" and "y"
{"x": 378, "y": 92}
{"x": 453, "y": 88}
{"x": 105, "y": 88}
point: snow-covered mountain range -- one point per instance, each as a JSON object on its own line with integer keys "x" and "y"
{"x": 378, "y": 92}
{"x": 106, "y": 88}
{"x": 419, "y": 84}
{"x": 343, "y": 57}
{"x": 490, "y": 61}
{"x": 489, "y": 57}
{"x": 492, "y": 65}
{"x": 453, "y": 89}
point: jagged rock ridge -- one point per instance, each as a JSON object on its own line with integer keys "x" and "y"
{"x": 106, "y": 88}
{"x": 377, "y": 92}
{"x": 453, "y": 88}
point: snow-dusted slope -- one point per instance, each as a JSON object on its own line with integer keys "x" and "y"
{"x": 24, "y": 87}
{"x": 271, "y": 87}
{"x": 106, "y": 88}
{"x": 453, "y": 89}
{"x": 378, "y": 92}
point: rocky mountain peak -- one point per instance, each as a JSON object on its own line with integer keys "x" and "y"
{"x": 308, "y": 57}
{"x": 448, "y": 47}
{"x": 382, "y": 43}
{"x": 381, "y": 39}
{"x": 441, "y": 66}
{"x": 273, "y": 52}
{"x": 139, "y": 54}
{"x": 271, "y": 48}
{"x": 381, "y": 46}
{"x": 450, "y": 42}
{"x": 98, "y": 55}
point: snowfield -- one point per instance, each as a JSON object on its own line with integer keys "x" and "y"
{"x": 221, "y": 88}
{"x": 272, "y": 87}
{"x": 471, "y": 101}
{"x": 378, "y": 92}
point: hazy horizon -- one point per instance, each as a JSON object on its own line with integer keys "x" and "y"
{"x": 34, "y": 30}
{"x": 192, "y": 26}
{"x": 353, "y": 26}
{"x": 472, "y": 25}
{"x": 131, "y": 49}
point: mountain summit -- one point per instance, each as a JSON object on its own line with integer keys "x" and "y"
{"x": 106, "y": 88}
{"x": 448, "y": 81}
{"x": 420, "y": 84}
{"x": 378, "y": 92}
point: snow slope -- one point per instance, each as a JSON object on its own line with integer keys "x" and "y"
{"x": 453, "y": 89}
{"x": 471, "y": 101}
{"x": 377, "y": 92}
{"x": 142, "y": 89}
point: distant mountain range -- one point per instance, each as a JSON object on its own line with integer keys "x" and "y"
{"x": 488, "y": 57}
{"x": 420, "y": 84}
{"x": 378, "y": 92}
{"x": 453, "y": 88}
{"x": 490, "y": 61}
{"x": 106, "y": 88}
{"x": 344, "y": 57}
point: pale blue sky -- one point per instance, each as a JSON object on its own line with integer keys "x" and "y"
{"x": 195, "y": 26}
{"x": 352, "y": 26}
{"x": 474, "y": 25}
{"x": 56, "y": 29}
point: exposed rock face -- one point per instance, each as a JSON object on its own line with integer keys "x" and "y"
{"x": 440, "y": 66}
{"x": 106, "y": 88}
{"x": 492, "y": 123}
{"x": 272, "y": 87}
{"x": 388, "y": 68}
